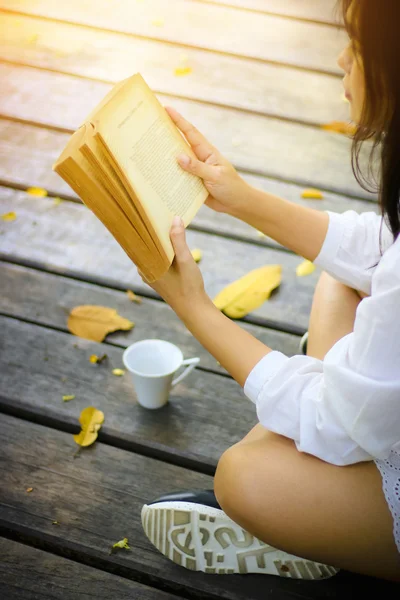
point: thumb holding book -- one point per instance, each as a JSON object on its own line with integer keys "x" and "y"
{"x": 228, "y": 190}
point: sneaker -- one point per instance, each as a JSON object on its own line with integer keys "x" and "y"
{"x": 192, "y": 530}
{"x": 303, "y": 343}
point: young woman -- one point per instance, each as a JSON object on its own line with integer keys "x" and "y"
{"x": 317, "y": 481}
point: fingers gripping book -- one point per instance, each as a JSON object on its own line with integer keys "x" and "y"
{"x": 122, "y": 163}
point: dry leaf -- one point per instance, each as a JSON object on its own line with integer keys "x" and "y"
{"x": 182, "y": 71}
{"x": 305, "y": 268}
{"x": 29, "y": 490}
{"x": 38, "y": 192}
{"x": 118, "y": 372}
{"x": 133, "y": 297}
{"x": 94, "y": 359}
{"x": 10, "y": 216}
{"x": 68, "y": 398}
{"x": 122, "y": 544}
{"x": 197, "y": 254}
{"x": 312, "y": 194}
{"x": 249, "y": 292}
{"x": 91, "y": 420}
{"x": 340, "y": 127}
{"x": 95, "y": 322}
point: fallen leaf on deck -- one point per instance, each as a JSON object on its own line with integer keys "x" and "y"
{"x": 249, "y": 292}
{"x": 312, "y": 194}
{"x": 10, "y": 216}
{"x": 94, "y": 359}
{"x": 133, "y": 297}
{"x": 340, "y": 127}
{"x": 118, "y": 372}
{"x": 38, "y": 192}
{"x": 95, "y": 322}
{"x": 197, "y": 254}
{"x": 68, "y": 398}
{"x": 122, "y": 544}
{"x": 181, "y": 71}
{"x": 29, "y": 490}
{"x": 91, "y": 420}
{"x": 305, "y": 268}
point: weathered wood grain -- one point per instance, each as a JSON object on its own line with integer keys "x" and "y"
{"x": 207, "y": 413}
{"x": 29, "y": 574}
{"x": 68, "y": 237}
{"x": 313, "y": 10}
{"x": 203, "y": 25}
{"x": 27, "y": 154}
{"x": 265, "y": 88}
{"x": 46, "y": 299}
{"x": 97, "y": 500}
{"x": 289, "y": 151}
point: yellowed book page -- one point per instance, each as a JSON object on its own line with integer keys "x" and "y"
{"x": 76, "y": 170}
{"x": 145, "y": 143}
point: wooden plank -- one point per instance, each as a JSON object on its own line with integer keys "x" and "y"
{"x": 46, "y": 299}
{"x": 204, "y": 25}
{"x": 69, "y": 238}
{"x": 206, "y": 413}
{"x": 311, "y": 10}
{"x": 264, "y": 88}
{"x": 97, "y": 500}
{"x": 27, "y": 154}
{"x": 28, "y": 574}
{"x": 290, "y": 151}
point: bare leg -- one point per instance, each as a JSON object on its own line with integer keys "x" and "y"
{"x": 298, "y": 503}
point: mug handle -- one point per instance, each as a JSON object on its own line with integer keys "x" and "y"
{"x": 191, "y": 362}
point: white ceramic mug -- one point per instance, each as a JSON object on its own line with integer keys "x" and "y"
{"x": 153, "y": 364}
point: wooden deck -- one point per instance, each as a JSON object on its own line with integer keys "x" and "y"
{"x": 264, "y": 79}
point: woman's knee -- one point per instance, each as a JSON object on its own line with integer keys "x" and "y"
{"x": 229, "y": 479}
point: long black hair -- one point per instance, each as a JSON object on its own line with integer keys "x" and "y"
{"x": 374, "y": 27}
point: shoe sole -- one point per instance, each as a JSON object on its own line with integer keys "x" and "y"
{"x": 202, "y": 538}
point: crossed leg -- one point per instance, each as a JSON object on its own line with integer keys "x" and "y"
{"x": 299, "y": 503}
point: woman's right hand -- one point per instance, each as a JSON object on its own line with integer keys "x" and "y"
{"x": 228, "y": 191}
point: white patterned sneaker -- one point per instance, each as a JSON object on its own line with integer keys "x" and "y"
{"x": 201, "y": 537}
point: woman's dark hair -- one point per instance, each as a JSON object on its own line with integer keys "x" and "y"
{"x": 374, "y": 27}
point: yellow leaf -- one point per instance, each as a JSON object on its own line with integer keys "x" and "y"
{"x": 340, "y": 127}
{"x": 312, "y": 194}
{"x": 305, "y": 268}
{"x": 133, "y": 297}
{"x": 181, "y": 71}
{"x": 122, "y": 544}
{"x": 38, "y": 192}
{"x": 94, "y": 359}
{"x": 91, "y": 420}
{"x": 249, "y": 292}
{"x": 68, "y": 398}
{"x": 118, "y": 372}
{"x": 10, "y": 216}
{"x": 29, "y": 490}
{"x": 57, "y": 201}
{"x": 197, "y": 254}
{"x": 95, "y": 322}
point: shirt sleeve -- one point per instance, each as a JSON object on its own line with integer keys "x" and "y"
{"x": 346, "y": 408}
{"x": 352, "y": 246}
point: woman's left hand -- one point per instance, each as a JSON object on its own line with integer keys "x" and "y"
{"x": 182, "y": 285}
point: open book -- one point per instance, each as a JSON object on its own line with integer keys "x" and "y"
{"x": 122, "y": 164}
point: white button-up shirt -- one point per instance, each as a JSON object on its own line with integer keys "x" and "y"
{"x": 345, "y": 408}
